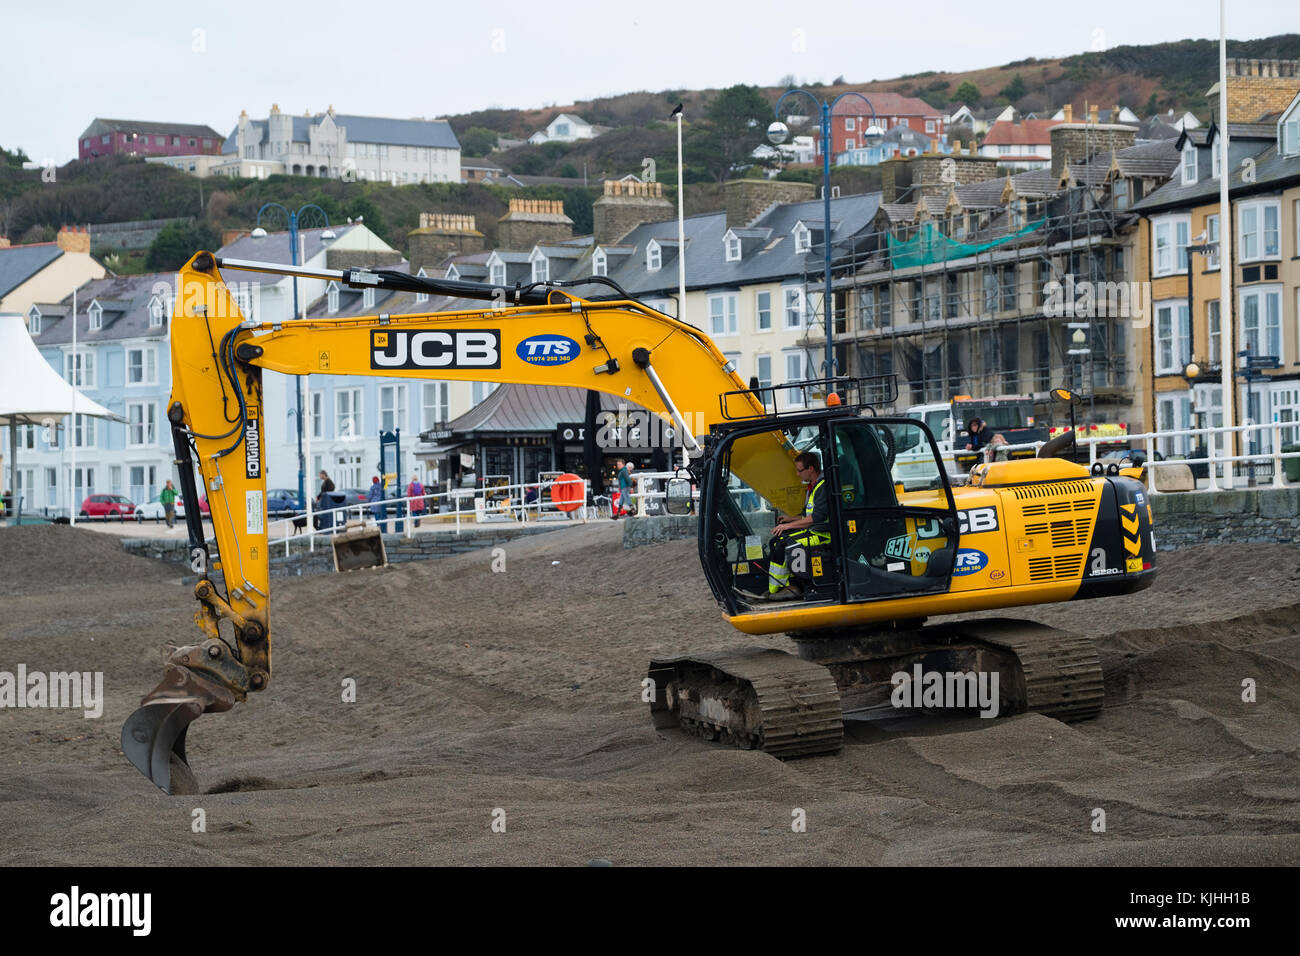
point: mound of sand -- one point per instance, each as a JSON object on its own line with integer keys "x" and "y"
{"x": 519, "y": 690}
{"x": 37, "y": 558}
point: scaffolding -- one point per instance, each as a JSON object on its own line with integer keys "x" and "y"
{"x": 973, "y": 317}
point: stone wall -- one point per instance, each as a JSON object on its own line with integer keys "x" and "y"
{"x": 1246, "y": 515}
{"x": 745, "y": 199}
{"x": 128, "y": 235}
{"x": 1257, "y": 87}
{"x": 1077, "y": 142}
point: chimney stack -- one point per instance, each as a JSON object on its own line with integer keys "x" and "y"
{"x": 1069, "y": 113}
{"x": 74, "y": 239}
{"x": 531, "y": 221}
{"x": 625, "y": 205}
{"x": 441, "y": 235}
{"x": 1093, "y": 117}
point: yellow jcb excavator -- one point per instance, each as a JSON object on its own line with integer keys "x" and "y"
{"x": 896, "y": 541}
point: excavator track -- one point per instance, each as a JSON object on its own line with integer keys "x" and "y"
{"x": 1061, "y": 671}
{"x": 754, "y": 698}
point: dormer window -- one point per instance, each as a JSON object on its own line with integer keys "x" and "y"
{"x": 34, "y": 320}
{"x": 541, "y": 268}
{"x": 424, "y": 296}
{"x": 653, "y": 257}
{"x": 497, "y": 273}
{"x": 599, "y": 263}
{"x": 368, "y": 297}
{"x": 155, "y": 313}
{"x": 96, "y": 313}
{"x": 732, "y": 242}
{"x": 802, "y": 239}
{"x": 1288, "y": 130}
{"x": 1189, "y": 165}
{"x": 332, "y": 297}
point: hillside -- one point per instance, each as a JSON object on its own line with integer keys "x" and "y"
{"x": 1144, "y": 78}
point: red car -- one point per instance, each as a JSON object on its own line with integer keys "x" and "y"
{"x": 203, "y": 505}
{"x": 113, "y": 507}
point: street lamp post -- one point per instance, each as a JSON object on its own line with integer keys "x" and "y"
{"x": 776, "y": 134}
{"x": 260, "y": 233}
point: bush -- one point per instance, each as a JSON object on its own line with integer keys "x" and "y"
{"x": 177, "y": 242}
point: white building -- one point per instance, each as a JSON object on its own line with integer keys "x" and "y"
{"x": 335, "y": 145}
{"x": 566, "y": 128}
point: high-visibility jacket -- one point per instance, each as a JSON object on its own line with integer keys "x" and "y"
{"x": 815, "y": 537}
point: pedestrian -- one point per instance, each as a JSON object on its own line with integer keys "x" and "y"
{"x": 376, "y": 498}
{"x": 625, "y": 488}
{"x": 415, "y": 491}
{"x": 168, "y": 499}
{"x": 326, "y": 486}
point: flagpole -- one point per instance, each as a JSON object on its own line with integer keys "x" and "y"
{"x": 1227, "y": 347}
{"x": 72, "y": 432}
{"x": 681, "y": 250}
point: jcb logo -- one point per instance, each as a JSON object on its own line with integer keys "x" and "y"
{"x": 971, "y": 521}
{"x": 426, "y": 348}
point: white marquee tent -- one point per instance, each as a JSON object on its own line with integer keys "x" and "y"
{"x": 32, "y": 393}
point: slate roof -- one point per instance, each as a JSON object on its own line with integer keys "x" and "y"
{"x": 1271, "y": 169}
{"x": 1025, "y": 133}
{"x": 706, "y": 251}
{"x": 125, "y": 301}
{"x": 436, "y": 134}
{"x": 20, "y": 263}
{"x": 100, "y": 125}
{"x": 531, "y": 408}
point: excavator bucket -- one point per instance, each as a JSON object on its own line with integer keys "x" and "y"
{"x": 360, "y": 545}
{"x": 153, "y": 739}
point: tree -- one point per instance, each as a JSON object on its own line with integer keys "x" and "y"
{"x": 967, "y": 93}
{"x": 735, "y": 123}
{"x": 177, "y": 242}
{"x": 1152, "y": 107}
{"x": 1015, "y": 89}
{"x": 15, "y": 158}
{"x": 478, "y": 141}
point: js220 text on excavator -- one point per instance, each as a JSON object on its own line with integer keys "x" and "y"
{"x": 894, "y": 546}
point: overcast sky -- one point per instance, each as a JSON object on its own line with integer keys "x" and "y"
{"x": 70, "y": 61}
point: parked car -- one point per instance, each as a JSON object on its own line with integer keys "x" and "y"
{"x": 152, "y": 510}
{"x": 281, "y": 503}
{"x": 203, "y": 505}
{"x": 110, "y": 507}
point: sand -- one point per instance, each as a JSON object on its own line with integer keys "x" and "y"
{"x": 519, "y": 692}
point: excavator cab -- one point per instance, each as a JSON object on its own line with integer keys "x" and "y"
{"x": 890, "y": 527}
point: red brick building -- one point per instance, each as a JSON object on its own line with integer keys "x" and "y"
{"x": 110, "y": 137}
{"x": 850, "y": 119}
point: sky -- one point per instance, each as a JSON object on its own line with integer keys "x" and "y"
{"x": 71, "y": 61}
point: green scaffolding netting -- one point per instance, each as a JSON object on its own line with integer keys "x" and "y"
{"x": 930, "y": 245}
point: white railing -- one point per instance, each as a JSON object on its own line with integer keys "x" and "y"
{"x": 1214, "y": 459}
{"x": 644, "y": 495}
{"x": 444, "y": 509}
